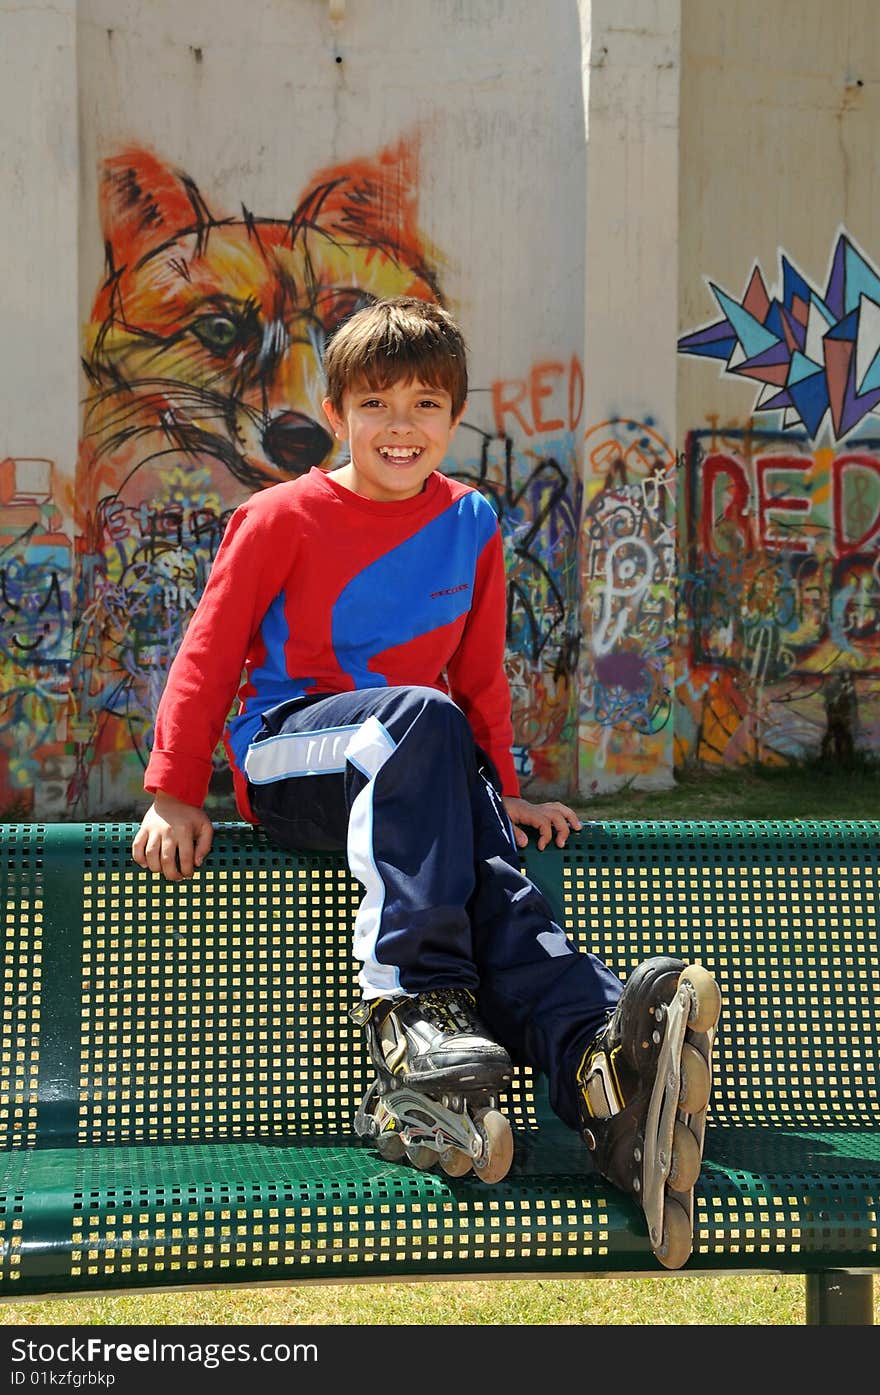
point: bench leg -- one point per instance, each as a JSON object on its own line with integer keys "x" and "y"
{"x": 840, "y": 1298}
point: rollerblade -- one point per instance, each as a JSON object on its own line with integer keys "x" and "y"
{"x": 644, "y": 1086}
{"x": 434, "y": 1099}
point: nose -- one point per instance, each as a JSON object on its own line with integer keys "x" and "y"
{"x": 401, "y": 419}
{"x": 295, "y": 442}
{"x": 400, "y": 427}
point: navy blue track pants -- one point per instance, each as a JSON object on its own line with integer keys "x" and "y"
{"x": 393, "y": 777}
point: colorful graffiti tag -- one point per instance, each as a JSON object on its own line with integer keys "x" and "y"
{"x": 536, "y": 497}
{"x": 35, "y": 614}
{"x": 779, "y": 573}
{"x": 529, "y": 468}
{"x": 816, "y": 354}
{"x": 627, "y": 598}
{"x": 780, "y": 587}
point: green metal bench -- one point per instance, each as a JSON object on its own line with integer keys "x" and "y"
{"x": 180, "y": 1075}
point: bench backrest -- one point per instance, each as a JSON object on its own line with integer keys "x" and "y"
{"x": 140, "y": 1011}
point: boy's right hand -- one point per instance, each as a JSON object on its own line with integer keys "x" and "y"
{"x": 174, "y": 838}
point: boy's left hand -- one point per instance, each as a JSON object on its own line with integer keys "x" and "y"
{"x": 549, "y": 819}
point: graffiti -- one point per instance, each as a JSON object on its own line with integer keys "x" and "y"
{"x": 537, "y": 494}
{"x": 537, "y": 505}
{"x": 627, "y": 595}
{"x": 35, "y": 607}
{"x": 550, "y": 387}
{"x": 780, "y": 594}
{"x": 815, "y": 354}
{"x": 134, "y": 600}
{"x": 783, "y": 558}
{"x": 32, "y": 607}
{"x": 202, "y": 359}
{"x": 203, "y": 365}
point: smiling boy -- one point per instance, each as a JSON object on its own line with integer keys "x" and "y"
{"x": 366, "y": 606}
{"x": 397, "y": 437}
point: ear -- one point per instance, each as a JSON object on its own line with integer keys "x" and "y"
{"x": 145, "y": 203}
{"x": 372, "y": 204}
{"x": 456, "y": 420}
{"x": 337, "y": 422}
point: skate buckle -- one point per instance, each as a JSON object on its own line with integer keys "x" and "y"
{"x": 373, "y": 1117}
{"x": 422, "y": 1121}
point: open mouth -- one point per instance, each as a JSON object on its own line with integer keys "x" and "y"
{"x": 400, "y": 455}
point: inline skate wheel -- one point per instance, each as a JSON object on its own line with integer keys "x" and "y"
{"x": 498, "y": 1145}
{"x": 677, "y": 1240}
{"x": 421, "y": 1156}
{"x": 686, "y": 1159}
{"x": 696, "y": 1080}
{"x": 390, "y": 1147}
{"x": 455, "y": 1162}
{"x": 705, "y": 997}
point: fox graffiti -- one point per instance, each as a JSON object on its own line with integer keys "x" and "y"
{"x": 203, "y": 369}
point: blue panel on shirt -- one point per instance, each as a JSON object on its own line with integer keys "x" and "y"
{"x": 270, "y": 683}
{"x": 421, "y": 585}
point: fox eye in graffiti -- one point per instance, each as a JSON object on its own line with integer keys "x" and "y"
{"x": 219, "y": 333}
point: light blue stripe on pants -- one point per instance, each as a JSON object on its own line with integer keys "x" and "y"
{"x": 410, "y": 797}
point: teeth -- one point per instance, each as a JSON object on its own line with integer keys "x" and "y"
{"x": 401, "y": 454}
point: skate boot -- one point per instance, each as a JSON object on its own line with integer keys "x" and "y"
{"x": 644, "y": 1086}
{"x": 438, "y": 1076}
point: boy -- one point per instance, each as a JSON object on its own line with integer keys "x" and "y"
{"x": 367, "y": 605}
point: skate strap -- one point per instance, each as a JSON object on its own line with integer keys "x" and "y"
{"x": 662, "y": 1112}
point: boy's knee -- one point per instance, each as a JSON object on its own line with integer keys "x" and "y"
{"x": 440, "y": 710}
{"x": 435, "y": 713}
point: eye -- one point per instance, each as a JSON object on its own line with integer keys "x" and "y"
{"x": 219, "y": 333}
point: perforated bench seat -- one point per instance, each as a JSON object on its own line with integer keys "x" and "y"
{"x": 180, "y": 1074}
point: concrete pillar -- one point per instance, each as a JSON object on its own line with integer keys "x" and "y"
{"x": 40, "y": 373}
{"x": 631, "y": 97}
{"x": 38, "y": 233}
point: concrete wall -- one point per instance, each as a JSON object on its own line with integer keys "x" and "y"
{"x": 39, "y": 416}
{"x": 435, "y": 146}
{"x": 778, "y": 395}
{"x": 628, "y": 553}
{"x": 656, "y": 222}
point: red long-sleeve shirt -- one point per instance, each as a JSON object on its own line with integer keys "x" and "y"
{"x": 315, "y": 589}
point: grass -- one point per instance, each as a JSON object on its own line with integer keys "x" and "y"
{"x": 669, "y": 1300}
{"x": 806, "y": 792}
{"x": 678, "y": 1299}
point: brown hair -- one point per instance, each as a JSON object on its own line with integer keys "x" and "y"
{"x": 401, "y": 338}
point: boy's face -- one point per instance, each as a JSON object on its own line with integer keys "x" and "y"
{"x": 397, "y": 436}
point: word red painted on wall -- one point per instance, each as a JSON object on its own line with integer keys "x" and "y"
{"x": 781, "y": 502}
{"x": 551, "y": 398}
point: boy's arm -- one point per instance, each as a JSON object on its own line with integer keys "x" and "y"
{"x": 247, "y": 573}
{"x": 206, "y": 671}
{"x": 477, "y": 677}
{"x": 174, "y": 838}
